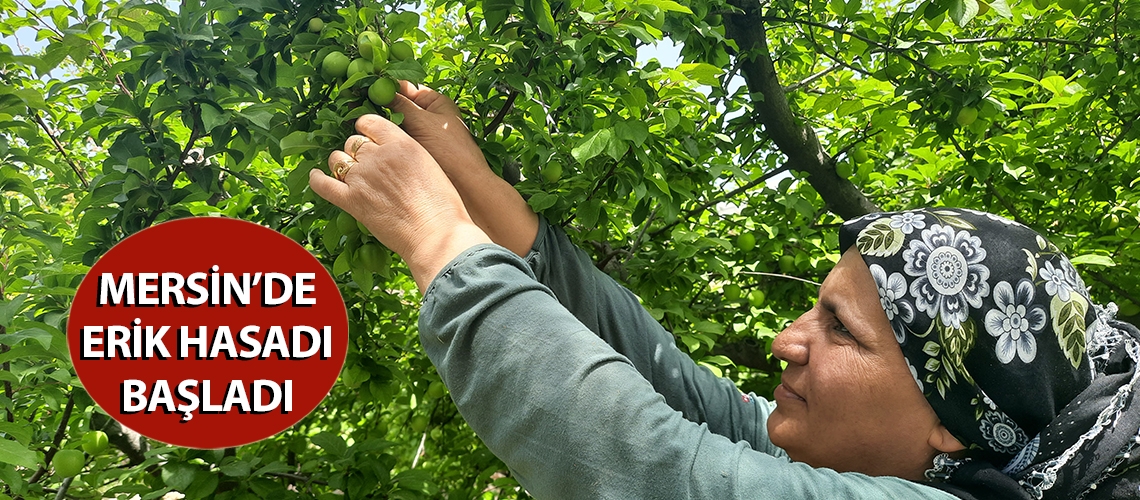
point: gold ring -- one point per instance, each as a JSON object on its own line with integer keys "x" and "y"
{"x": 359, "y": 143}
{"x": 341, "y": 168}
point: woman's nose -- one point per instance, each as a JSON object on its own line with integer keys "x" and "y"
{"x": 791, "y": 345}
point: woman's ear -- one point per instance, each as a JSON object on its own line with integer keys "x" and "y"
{"x": 943, "y": 441}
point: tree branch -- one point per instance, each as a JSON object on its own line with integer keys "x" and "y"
{"x": 1005, "y": 39}
{"x": 731, "y": 194}
{"x": 1114, "y": 287}
{"x": 59, "y": 433}
{"x": 807, "y": 81}
{"x": 466, "y": 74}
{"x": 794, "y": 139}
{"x": 886, "y": 48}
{"x": 1116, "y": 140}
{"x": 79, "y": 171}
{"x": 7, "y": 384}
{"x": 295, "y": 477}
{"x": 502, "y": 114}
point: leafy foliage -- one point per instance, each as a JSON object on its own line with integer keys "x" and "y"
{"x": 136, "y": 112}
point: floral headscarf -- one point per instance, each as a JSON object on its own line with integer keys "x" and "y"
{"x": 1015, "y": 359}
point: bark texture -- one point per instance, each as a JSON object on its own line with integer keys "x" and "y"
{"x": 794, "y": 138}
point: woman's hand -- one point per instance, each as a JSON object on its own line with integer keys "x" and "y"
{"x": 388, "y": 182}
{"x": 434, "y": 121}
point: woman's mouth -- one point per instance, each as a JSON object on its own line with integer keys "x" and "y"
{"x": 787, "y": 393}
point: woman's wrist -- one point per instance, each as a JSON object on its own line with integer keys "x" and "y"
{"x": 438, "y": 247}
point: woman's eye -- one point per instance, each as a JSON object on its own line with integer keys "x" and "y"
{"x": 842, "y": 329}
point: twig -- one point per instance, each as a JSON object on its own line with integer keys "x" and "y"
{"x": 988, "y": 181}
{"x": 785, "y": 276}
{"x": 636, "y": 245}
{"x": 59, "y": 433}
{"x": 837, "y": 60}
{"x": 894, "y": 50}
{"x": 295, "y": 477}
{"x": 79, "y": 171}
{"x": 807, "y": 81}
{"x": 7, "y": 384}
{"x": 1114, "y": 287}
{"x": 730, "y": 195}
{"x": 36, "y": 15}
{"x": 502, "y": 114}
{"x": 1116, "y": 140}
{"x": 62, "y": 493}
{"x": 609, "y": 173}
{"x": 420, "y": 450}
{"x": 966, "y": 41}
{"x": 1116, "y": 26}
{"x": 466, "y": 74}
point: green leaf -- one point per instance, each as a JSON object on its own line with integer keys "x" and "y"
{"x": 541, "y": 201}
{"x": 260, "y": 118}
{"x": 718, "y": 360}
{"x": 667, "y": 5}
{"x": 1019, "y": 76}
{"x": 213, "y": 116}
{"x": 15, "y": 453}
{"x": 296, "y": 143}
{"x": 709, "y": 327}
{"x": 37, "y": 334}
{"x": 827, "y": 103}
{"x": 9, "y": 308}
{"x": 1002, "y": 8}
{"x": 634, "y": 131}
{"x": 203, "y": 486}
{"x": 691, "y": 342}
{"x": 1055, "y": 84}
{"x": 273, "y": 467}
{"x": 332, "y": 444}
{"x": 1094, "y": 259}
{"x": 179, "y": 475}
{"x": 22, "y": 432}
{"x": 408, "y": 69}
{"x": 54, "y": 243}
{"x": 342, "y": 264}
{"x": 363, "y": 278}
{"x": 702, "y": 73}
{"x": 543, "y": 17}
{"x": 495, "y": 12}
{"x": 588, "y": 212}
{"x": 237, "y": 468}
{"x": 592, "y": 145}
{"x": 962, "y": 11}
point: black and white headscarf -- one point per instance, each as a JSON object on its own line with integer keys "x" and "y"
{"x": 1019, "y": 364}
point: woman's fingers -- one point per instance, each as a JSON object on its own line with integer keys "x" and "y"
{"x": 336, "y": 192}
{"x": 427, "y": 99}
{"x": 340, "y": 164}
{"x": 379, "y": 129}
{"x": 355, "y": 144}
{"x": 405, "y": 105}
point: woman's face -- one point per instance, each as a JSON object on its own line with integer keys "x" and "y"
{"x": 847, "y": 399}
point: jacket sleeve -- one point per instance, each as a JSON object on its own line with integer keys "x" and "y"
{"x": 573, "y": 418}
{"x": 615, "y": 314}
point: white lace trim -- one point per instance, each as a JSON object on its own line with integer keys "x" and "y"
{"x": 1104, "y": 338}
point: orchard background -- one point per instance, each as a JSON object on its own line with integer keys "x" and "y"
{"x": 712, "y": 187}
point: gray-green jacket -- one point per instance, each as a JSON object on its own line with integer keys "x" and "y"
{"x": 570, "y": 381}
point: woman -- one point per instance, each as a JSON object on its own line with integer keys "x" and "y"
{"x": 931, "y": 366}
